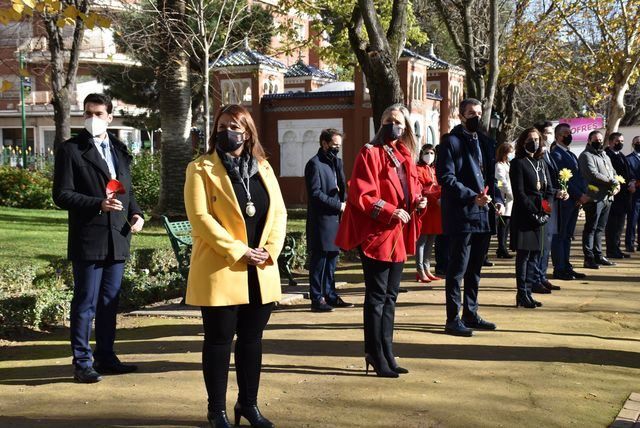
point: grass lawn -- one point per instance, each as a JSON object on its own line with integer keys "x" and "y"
{"x": 36, "y": 236}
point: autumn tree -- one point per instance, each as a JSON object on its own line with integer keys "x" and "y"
{"x": 604, "y": 39}
{"x": 64, "y": 49}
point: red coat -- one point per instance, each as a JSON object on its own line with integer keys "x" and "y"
{"x": 432, "y": 220}
{"x": 374, "y": 194}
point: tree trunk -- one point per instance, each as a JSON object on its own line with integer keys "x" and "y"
{"x": 175, "y": 118}
{"x": 494, "y": 65}
{"x": 616, "y": 108}
{"x": 383, "y": 82}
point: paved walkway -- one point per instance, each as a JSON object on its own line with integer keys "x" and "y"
{"x": 573, "y": 362}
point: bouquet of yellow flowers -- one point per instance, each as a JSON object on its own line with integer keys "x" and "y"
{"x": 564, "y": 176}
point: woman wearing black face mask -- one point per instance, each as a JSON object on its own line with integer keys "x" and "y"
{"x": 235, "y": 207}
{"x": 531, "y": 184}
{"x": 382, "y": 220}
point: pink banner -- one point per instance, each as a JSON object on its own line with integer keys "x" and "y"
{"x": 582, "y": 126}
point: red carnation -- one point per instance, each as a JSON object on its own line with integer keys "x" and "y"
{"x": 546, "y": 207}
{"x": 114, "y": 187}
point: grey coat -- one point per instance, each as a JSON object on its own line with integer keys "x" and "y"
{"x": 596, "y": 169}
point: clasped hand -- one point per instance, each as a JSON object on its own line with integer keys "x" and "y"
{"x": 256, "y": 256}
{"x": 482, "y": 199}
{"x": 562, "y": 195}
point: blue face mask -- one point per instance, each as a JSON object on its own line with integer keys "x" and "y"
{"x": 510, "y": 156}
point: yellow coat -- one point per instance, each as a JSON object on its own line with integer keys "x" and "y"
{"x": 218, "y": 275}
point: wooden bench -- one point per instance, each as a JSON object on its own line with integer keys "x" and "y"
{"x": 179, "y": 233}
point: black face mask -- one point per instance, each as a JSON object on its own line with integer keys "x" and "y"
{"x": 391, "y": 132}
{"x": 597, "y": 145}
{"x": 530, "y": 146}
{"x": 332, "y": 152}
{"x": 473, "y": 124}
{"x": 618, "y": 146}
{"x": 567, "y": 139}
{"x": 228, "y": 140}
{"x": 637, "y": 148}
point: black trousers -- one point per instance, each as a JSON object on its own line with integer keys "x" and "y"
{"x": 526, "y": 270}
{"x": 503, "y": 234}
{"x": 221, "y": 323}
{"x": 467, "y": 252}
{"x": 382, "y": 281}
{"x": 614, "y": 228}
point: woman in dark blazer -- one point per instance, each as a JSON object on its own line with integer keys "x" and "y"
{"x": 531, "y": 184}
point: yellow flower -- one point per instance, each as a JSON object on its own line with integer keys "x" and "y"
{"x": 620, "y": 179}
{"x": 593, "y": 188}
{"x": 565, "y": 174}
{"x": 499, "y": 183}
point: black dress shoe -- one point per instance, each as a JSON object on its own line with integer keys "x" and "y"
{"x": 86, "y": 375}
{"x": 630, "y": 250}
{"x": 441, "y": 272}
{"x": 320, "y": 306}
{"x": 218, "y": 419}
{"x": 540, "y": 289}
{"x": 565, "y": 276}
{"x": 625, "y": 255}
{"x": 604, "y": 262}
{"x": 115, "y": 367}
{"x": 522, "y": 300}
{"x": 487, "y": 262}
{"x": 251, "y": 414}
{"x": 457, "y": 328}
{"x": 590, "y": 264}
{"x": 478, "y": 324}
{"x": 549, "y": 285}
{"x": 402, "y": 290}
{"x": 339, "y": 303}
{"x": 503, "y": 254}
{"x": 577, "y": 275}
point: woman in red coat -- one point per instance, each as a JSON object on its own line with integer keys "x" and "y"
{"x": 432, "y": 221}
{"x": 381, "y": 219}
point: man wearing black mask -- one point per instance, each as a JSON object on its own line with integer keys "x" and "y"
{"x": 599, "y": 176}
{"x": 326, "y": 196}
{"x": 622, "y": 201}
{"x": 633, "y": 160}
{"x": 567, "y": 209}
{"x": 466, "y": 171}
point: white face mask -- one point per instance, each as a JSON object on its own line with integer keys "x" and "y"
{"x": 510, "y": 156}
{"x": 95, "y": 126}
{"x": 428, "y": 159}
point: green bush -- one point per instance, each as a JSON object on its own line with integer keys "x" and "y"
{"x": 23, "y": 188}
{"x": 145, "y": 177}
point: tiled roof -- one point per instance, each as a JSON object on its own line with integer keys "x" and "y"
{"x": 300, "y": 69}
{"x": 434, "y": 63}
{"x": 244, "y": 57}
{"x": 324, "y": 94}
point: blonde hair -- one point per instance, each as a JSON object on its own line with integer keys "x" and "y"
{"x": 408, "y": 138}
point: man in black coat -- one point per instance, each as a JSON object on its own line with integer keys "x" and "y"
{"x": 326, "y": 195}
{"x": 100, "y": 227}
{"x": 466, "y": 171}
{"x": 622, "y": 201}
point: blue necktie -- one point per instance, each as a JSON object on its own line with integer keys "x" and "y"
{"x": 108, "y": 160}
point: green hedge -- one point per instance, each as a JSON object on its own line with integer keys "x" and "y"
{"x": 23, "y": 188}
{"x": 145, "y": 178}
{"x": 41, "y": 299}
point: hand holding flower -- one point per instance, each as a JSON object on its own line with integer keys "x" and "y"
{"x": 136, "y": 223}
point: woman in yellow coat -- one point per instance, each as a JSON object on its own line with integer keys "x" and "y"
{"x": 238, "y": 217}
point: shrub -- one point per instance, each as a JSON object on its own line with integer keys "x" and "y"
{"x": 145, "y": 177}
{"x": 22, "y": 188}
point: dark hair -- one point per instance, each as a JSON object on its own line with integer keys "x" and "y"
{"x": 102, "y": 99}
{"x": 502, "y": 151}
{"x": 327, "y": 135}
{"x": 468, "y": 102}
{"x": 541, "y": 125}
{"x": 243, "y": 117}
{"x": 592, "y": 133}
{"x": 522, "y": 138}
{"x": 559, "y": 127}
{"x": 425, "y": 148}
{"x": 614, "y": 135}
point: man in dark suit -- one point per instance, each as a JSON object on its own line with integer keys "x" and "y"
{"x": 633, "y": 160}
{"x": 622, "y": 201}
{"x": 100, "y": 227}
{"x": 465, "y": 168}
{"x": 326, "y": 195}
{"x": 567, "y": 209}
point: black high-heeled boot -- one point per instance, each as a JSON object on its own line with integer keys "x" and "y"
{"x": 535, "y": 302}
{"x": 251, "y": 414}
{"x": 218, "y": 419}
{"x": 396, "y": 368}
{"x": 522, "y": 299}
{"x": 381, "y": 368}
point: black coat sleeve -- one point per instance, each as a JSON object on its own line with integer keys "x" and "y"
{"x": 64, "y": 192}
{"x": 316, "y": 193}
